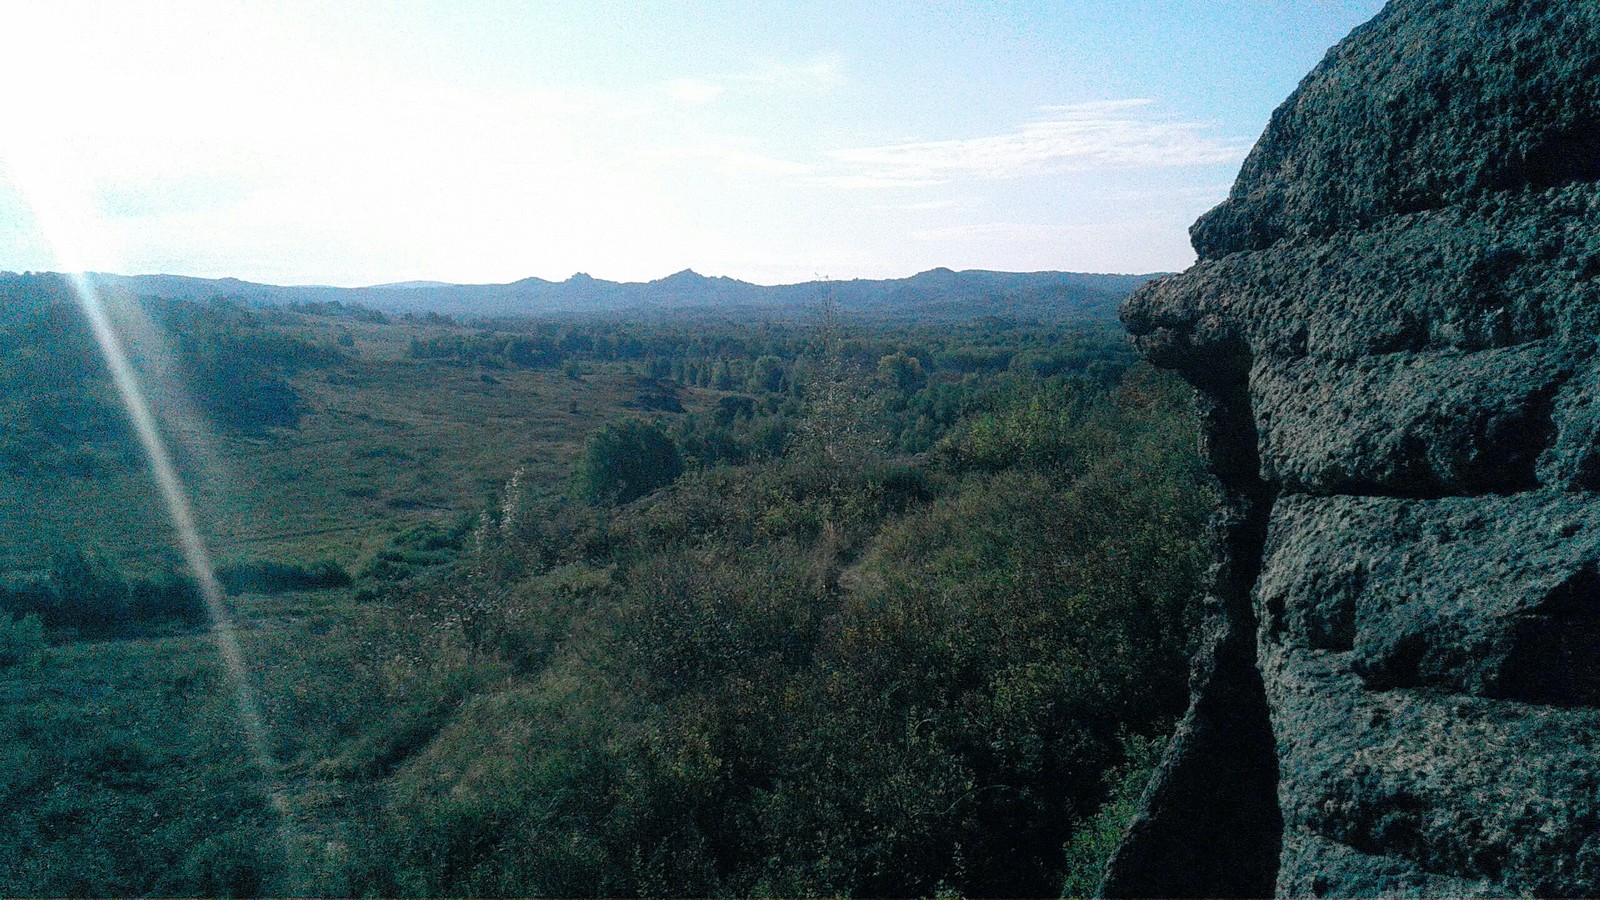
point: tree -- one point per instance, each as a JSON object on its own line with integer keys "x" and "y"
{"x": 627, "y": 460}
{"x": 766, "y": 375}
{"x": 902, "y": 371}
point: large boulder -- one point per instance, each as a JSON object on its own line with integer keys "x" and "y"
{"x": 1392, "y": 328}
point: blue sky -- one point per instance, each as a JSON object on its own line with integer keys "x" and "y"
{"x": 365, "y": 143}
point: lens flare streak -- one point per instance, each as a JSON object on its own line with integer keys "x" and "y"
{"x": 191, "y": 544}
{"x": 44, "y": 171}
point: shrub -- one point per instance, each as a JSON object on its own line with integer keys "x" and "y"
{"x": 271, "y": 577}
{"x": 627, "y": 460}
{"x": 418, "y": 549}
{"x": 89, "y": 597}
{"x": 901, "y": 371}
{"x": 1096, "y": 839}
{"x": 22, "y": 641}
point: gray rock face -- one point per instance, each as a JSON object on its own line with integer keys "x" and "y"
{"x": 1432, "y": 103}
{"x": 1392, "y": 328}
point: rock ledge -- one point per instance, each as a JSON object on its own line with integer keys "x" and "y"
{"x": 1392, "y": 328}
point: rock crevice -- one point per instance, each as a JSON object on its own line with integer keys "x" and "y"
{"x": 1392, "y": 332}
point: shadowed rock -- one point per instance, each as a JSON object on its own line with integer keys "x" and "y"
{"x": 1392, "y": 328}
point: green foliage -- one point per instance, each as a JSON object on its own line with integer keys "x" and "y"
{"x": 902, "y": 372}
{"x": 22, "y": 642}
{"x": 731, "y": 409}
{"x": 1035, "y": 431}
{"x": 271, "y": 576}
{"x": 766, "y": 374}
{"x": 420, "y": 547}
{"x": 87, "y": 597}
{"x": 1096, "y": 839}
{"x": 338, "y": 309}
{"x": 236, "y": 369}
{"x": 489, "y": 349}
{"x": 789, "y": 678}
{"x": 123, "y": 766}
{"x": 58, "y": 412}
{"x": 875, "y": 624}
{"x": 627, "y": 460}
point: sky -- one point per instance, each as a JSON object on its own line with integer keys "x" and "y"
{"x": 475, "y": 142}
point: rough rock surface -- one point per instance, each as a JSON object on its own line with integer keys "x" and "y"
{"x": 1392, "y": 328}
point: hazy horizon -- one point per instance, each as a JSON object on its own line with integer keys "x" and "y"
{"x": 429, "y": 282}
{"x": 350, "y": 146}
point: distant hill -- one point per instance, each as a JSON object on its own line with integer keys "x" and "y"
{"x": 935, "y": 295}
{"x": 409, "y": 285}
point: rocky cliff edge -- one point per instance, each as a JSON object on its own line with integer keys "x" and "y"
{"x": 1392, "y": 328}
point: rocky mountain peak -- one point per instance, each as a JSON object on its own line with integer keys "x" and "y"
{"x": 685, "y": 277}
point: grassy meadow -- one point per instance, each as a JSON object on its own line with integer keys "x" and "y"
{"x": 385, "y": 442}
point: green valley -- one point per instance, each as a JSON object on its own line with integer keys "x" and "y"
{"x": 701, "y": 603}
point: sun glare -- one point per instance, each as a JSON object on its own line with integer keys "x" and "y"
{"x": 70, "y": 231}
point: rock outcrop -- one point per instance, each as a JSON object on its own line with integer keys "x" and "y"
{"x": 1392, "y": 329}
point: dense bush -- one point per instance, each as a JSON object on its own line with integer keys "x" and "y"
{"x": 796, "y": 677}
{"x": 627, "y": 460}
{"x": 59, "y": 411}
{"x": 488, "y": 349}
{"x": 22, "y": 641}
{"x": 270, "y": 577}
{"x": 85, "y": 596}
{"x": 418, "y": 548}
{"x": 234, "y": 367}
{"x": 1096, "y": 839}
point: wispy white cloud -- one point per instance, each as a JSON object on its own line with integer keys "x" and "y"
{"x": 874, "y": 180}
{"x": 292, "y": 161}
{"x": 1121, "y": 134}
{"x": 819, "y": 74}
{"x": 1213, "y": 192}
{"x": 925, "y": 205}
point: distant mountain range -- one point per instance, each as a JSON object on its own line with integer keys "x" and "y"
{"x": 935, "y": 295}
